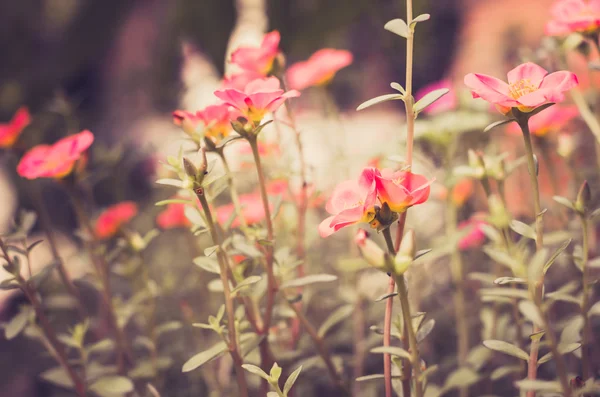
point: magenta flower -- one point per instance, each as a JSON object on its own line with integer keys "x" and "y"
{"x": 258, "y": 59}
{"x": 113, "y": 218}
{"x": 399, "y": 189}
{"x": 553, "y": 119}
{"x": 319, "y": 69}
{"x": 10, "y": 132}
{"x": 529, "y": 86}
{"x": 55, "y": 161}
{"x": 258, "y": 97}
{"x": 570, "y": 16}
{"x": 445, "y": 103}
{"x": 475, "y": 237}
{"x": 351, "y": 202}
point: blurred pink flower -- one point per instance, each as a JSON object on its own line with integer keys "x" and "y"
{"x": 553, "y": 119}
{"x": 55, "y": 161}
{"x": 9, "y": 132}
{"x": 239, "y": 81}
{"x": 399, "y": 189}
{"x": 319, "y": 69}
{"x": 446, "y": 103}
{"x": 253, "y": 210}
{"x": 258, "y": 59}
{"x": 529, "y": 86}
{"x": 173, "y": 217}
{"x": 258, "y": 97}
{"x": 113, "y": 218}
{"x": 574, "y": 16}
{"x": 351, "y": 202}
{"x": 475, "y": 237}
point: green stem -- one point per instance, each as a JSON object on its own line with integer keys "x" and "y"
{"x": 234, "y": 348}
{"x": 235, "y": 199}
{"x": 587, "y": 331}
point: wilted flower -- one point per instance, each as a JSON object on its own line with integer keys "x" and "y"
{"x": 113, "y": 218}
{"x": 319, "y": 69}
{"x": 529, "y": 86}
{"x": 445, "y": 103}
{"x": 258, "y": 97}
{"x": 475, "y": 236}
{"x": 9, "y": 132}
{"x": 57, "y": 160}
{"x": 253, "y": 210}
{"x": 552, "y": 119}
{"x": 399, "y": 189}
{"x": 173, "y": 217}
{"x": 258, "y": 59}
{"x": 574, "y": 16}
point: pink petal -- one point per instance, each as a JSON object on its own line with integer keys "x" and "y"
{"x": 274, "y": 105}
{"x": 527, "y": 71}
{"x": 345, "y": 194}
{"x": 561, "y": 81}
{"x": 325, "y": 229}
{"x": 535, "y": 98}
{"x": 489, "y": 88}
{"x": 233, "y": 98}
{"x": 270, "y": 84}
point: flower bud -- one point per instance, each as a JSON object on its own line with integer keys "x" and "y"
{"x": 476, "y": 163}
{"x": 189, "y": 168}
{"x": 583, "y": 198}
{"x": 406, "y": 254}
{"x": 370, "y": 251}
{"x": 275, "y": 372}
{"x": 499, "y": 217}
{"x": 136, "y": 242}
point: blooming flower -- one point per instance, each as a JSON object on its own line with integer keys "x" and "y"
{"x": 253, "y": 210}
{"x": 258, "y": 59}
{"x": 258, "y": 97}
{"x": 239, "y": 81}
{"x": 529, "y": 86}
{"x": 475, "y": 236}
{"x": 173, "y": 217}
{"x": 113, "y": 218}
{"x": 399, "y": 189}
{"x": 9, "y": 132}
{"x": 55, "y": 161}
{"x": 319, "y": 69}
{"x": 574, "y": 16}
{"x": 552, "y": 119}
{"x": 445, "y": 103}
{"x": 351, "y": 202}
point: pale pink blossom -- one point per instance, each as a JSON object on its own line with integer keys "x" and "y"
{"x": 475, "y": 236}
{"x": 319, "y": 69}
{"x": 529, "y": 86}
{"x": 399, "y": 189}
{"x": 570, "y": 16}
{"x": 258, "y": 59}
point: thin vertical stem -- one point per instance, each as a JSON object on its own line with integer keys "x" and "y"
{"x": 234, "y": 348}
{"x": 587, "y": 331}
{"x": 235, "y": 198}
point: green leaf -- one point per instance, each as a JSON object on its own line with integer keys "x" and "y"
{"x": 291, "y": 380}
{"x": 209, "y": 264}
{"x": 506, "y": 348}
{"x": 523, "y": 229}
{"x": 194, "y": 216}
{"x": 503, "y": 371}
{"x": 509, "y": 280}
{"x": 170, "y": 182}
{"x": 38, "y": 279}
{"x": 204, "y": 357}
{"x": 169, "y": 326}
{"x": 462, "y": 377}
{"x": 425, "y": 329}
{"x": 531, "y": 312}
{"x": 502, "y": 258}
{"x": 392, "y": 350}
{"x": 538, "y": 385}
{"x": 535, "y": 270}
{"x": 419, "y": 18}
{"x": 497, "y": 124}
{"x": 8, "y": 284}
{"x": 57, "y": 376}
{"x": 505, "y": 292}
{"x": 386, "y": 296}
{"x": 430, "y": 98}
{"x": 247, "y": 282}
{"x": 562, "y": 349}
{"x": 256, "y": 371}
{"x": 398, "y": 88}
{"x": 112, "y": 386}
{"x": 398, "y": 26}
{"x": 594, "y": 310}
{"x": 210, "y": 250}
{"x": 105, "y": 345}
{"x": 17, "y": 323}
{"x": 556, "y": 254}
{"x": 33, "y": 245}
{"x": 307, "y": 280}
{"x": 379, "y": 99}
{"x": 564, "y": 201}
{"x": 173, "y": 201}
{"x": 334, "y": 318}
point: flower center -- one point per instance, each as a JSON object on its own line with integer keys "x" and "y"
{"x": 520, "y": 88}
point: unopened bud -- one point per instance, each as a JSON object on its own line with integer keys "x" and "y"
{"x": 209, "y": 144}
{"x": 190, "y": 168}
{"x": 406, "y": 254}
{"x": 476, "y": 163}
{"x": 136, "y": 242}
{"x": 371, "y": 252}
{"x": 275, "y": 373}
{"x": 203, "y": 165}
{"x": 583, "y": 198}
{"x": 385, "y": 216}
{"x": 499, "y": 217}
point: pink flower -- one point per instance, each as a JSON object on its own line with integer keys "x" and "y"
{"x": 9, "y": 132}
{"x": 399, "y": 189}
{"x": 351, "y": 202}
{"x": 253, "y": 210}
{"x": 113, "y": 218}
{"x": 258, "y": 97}
{"x": 446, "y": 103}
{"x": 529, "y": 86}
{"x": 574, "y": 16}
{"x": 55, "y": 161}
{"x": 475, "y": 237}
{"x": 553, "y": 119}
{"x": 258, "y": 59}
{"x": 239, "y": 81}
{"x": 173, "y": 217}
{"x": 319, "y": 69}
